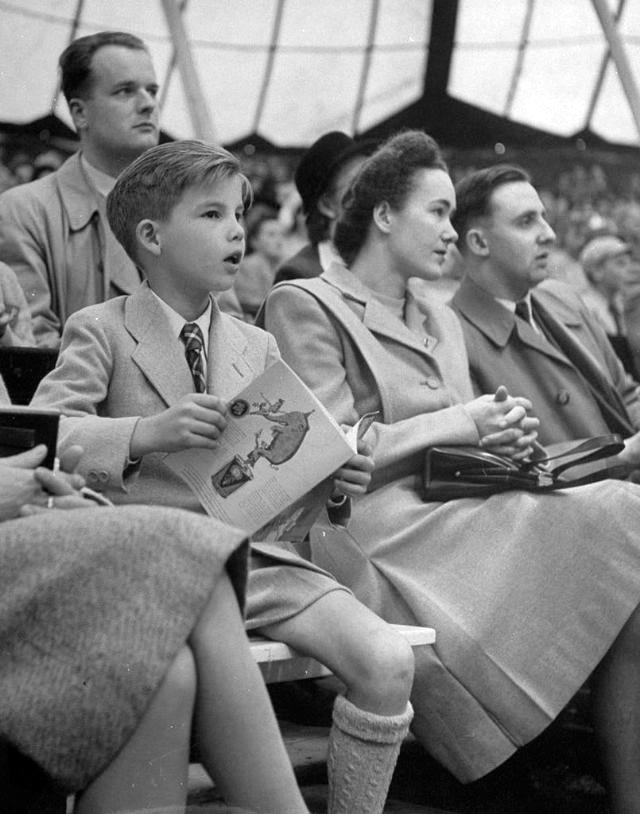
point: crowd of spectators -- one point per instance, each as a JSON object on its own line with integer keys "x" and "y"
{"x": 582, "y": 201}
{"x": 21, "y": 166}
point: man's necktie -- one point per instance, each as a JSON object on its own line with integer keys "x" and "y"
{"x": 616, "y": 309}
{"x": 191, "y": 335}
{"x": 523, "y": 311}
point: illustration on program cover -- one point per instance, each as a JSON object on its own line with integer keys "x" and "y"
{"x": 278, "y": 444}
{"x": 287, "y": 432}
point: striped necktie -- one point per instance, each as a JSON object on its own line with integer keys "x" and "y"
{"x": 191, "y": 335}
{"x": 523, "y": 311}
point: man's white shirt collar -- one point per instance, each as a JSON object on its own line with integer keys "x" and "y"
{"x": 510, "y": 305}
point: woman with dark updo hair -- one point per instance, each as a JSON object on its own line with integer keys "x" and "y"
{"x": 528, "y": 593}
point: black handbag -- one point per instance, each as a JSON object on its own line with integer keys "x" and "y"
{"x": 466, "y": 471}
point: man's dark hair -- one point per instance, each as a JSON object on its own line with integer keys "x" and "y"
{"x": 75, "y": 60}
{"x": 474, "y": 191}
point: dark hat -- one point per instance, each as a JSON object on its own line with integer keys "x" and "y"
{"x": 322, "y": 160}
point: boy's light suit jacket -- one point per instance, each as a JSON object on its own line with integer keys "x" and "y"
{"x": 118, "y": 361}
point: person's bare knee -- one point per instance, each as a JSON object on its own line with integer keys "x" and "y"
{"x": 379, "y": 676}
{"x": 364, "y": 652}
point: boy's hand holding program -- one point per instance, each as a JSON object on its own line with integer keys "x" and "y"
{"x": 355, "y": 476}
{"x": 196, "y": 420}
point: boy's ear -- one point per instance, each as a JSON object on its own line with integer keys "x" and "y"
{"x": 382, "y": 216}
{"x": 148, "y": 236}
{"x": 77, "y": 110}
{"x": 476, "y": 242}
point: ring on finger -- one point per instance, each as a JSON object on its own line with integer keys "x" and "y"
{"x": 50, "y": 504}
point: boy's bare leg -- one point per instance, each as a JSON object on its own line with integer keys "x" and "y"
{"x": 237, "y": 731}
{"x": 364, "y": 652}
{"x": 371, "y": 720}
{"x": 151, "y": 770}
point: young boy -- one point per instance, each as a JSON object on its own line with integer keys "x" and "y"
{"x": 125, "y": 381}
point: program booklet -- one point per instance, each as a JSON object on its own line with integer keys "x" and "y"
{"x": 269, "y": 474}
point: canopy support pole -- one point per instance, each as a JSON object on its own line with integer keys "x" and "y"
{"x": 268, "y": 71}
{"x": 196, "y": 102}
{"x": 601, "y": 74}
{"x": 164, "y": 85}
{"x": 522, "y": 49}
{"x": 619, "y": 56}
{"x": 366, "y": 67}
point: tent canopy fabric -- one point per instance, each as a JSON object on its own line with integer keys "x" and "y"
{"x": 289, "y": 70}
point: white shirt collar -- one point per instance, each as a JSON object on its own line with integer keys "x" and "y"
{"x": 510, "y": 305}
{"x": 177, "y": 322}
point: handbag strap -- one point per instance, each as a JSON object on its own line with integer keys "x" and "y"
{"x": 590, "y": 449}
{"x": 586, "y": 452}
{"x": 609, "y": 471}
{"x": 579, "y": 454}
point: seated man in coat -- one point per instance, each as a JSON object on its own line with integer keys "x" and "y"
{"x": 535, "y": 337}
{"x": 54, "y": 231}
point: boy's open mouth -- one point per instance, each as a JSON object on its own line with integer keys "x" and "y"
{"x": 234, "y": 258}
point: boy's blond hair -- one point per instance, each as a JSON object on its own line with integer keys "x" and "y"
{"x": 153, "y": 184}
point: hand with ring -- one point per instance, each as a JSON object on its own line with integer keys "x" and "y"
{"x": 63, "y": 486}
{"x": 18, "y": 485}
{"x": 27, "y": 488}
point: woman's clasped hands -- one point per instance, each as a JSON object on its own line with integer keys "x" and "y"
{"x": 504, "y": 423}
